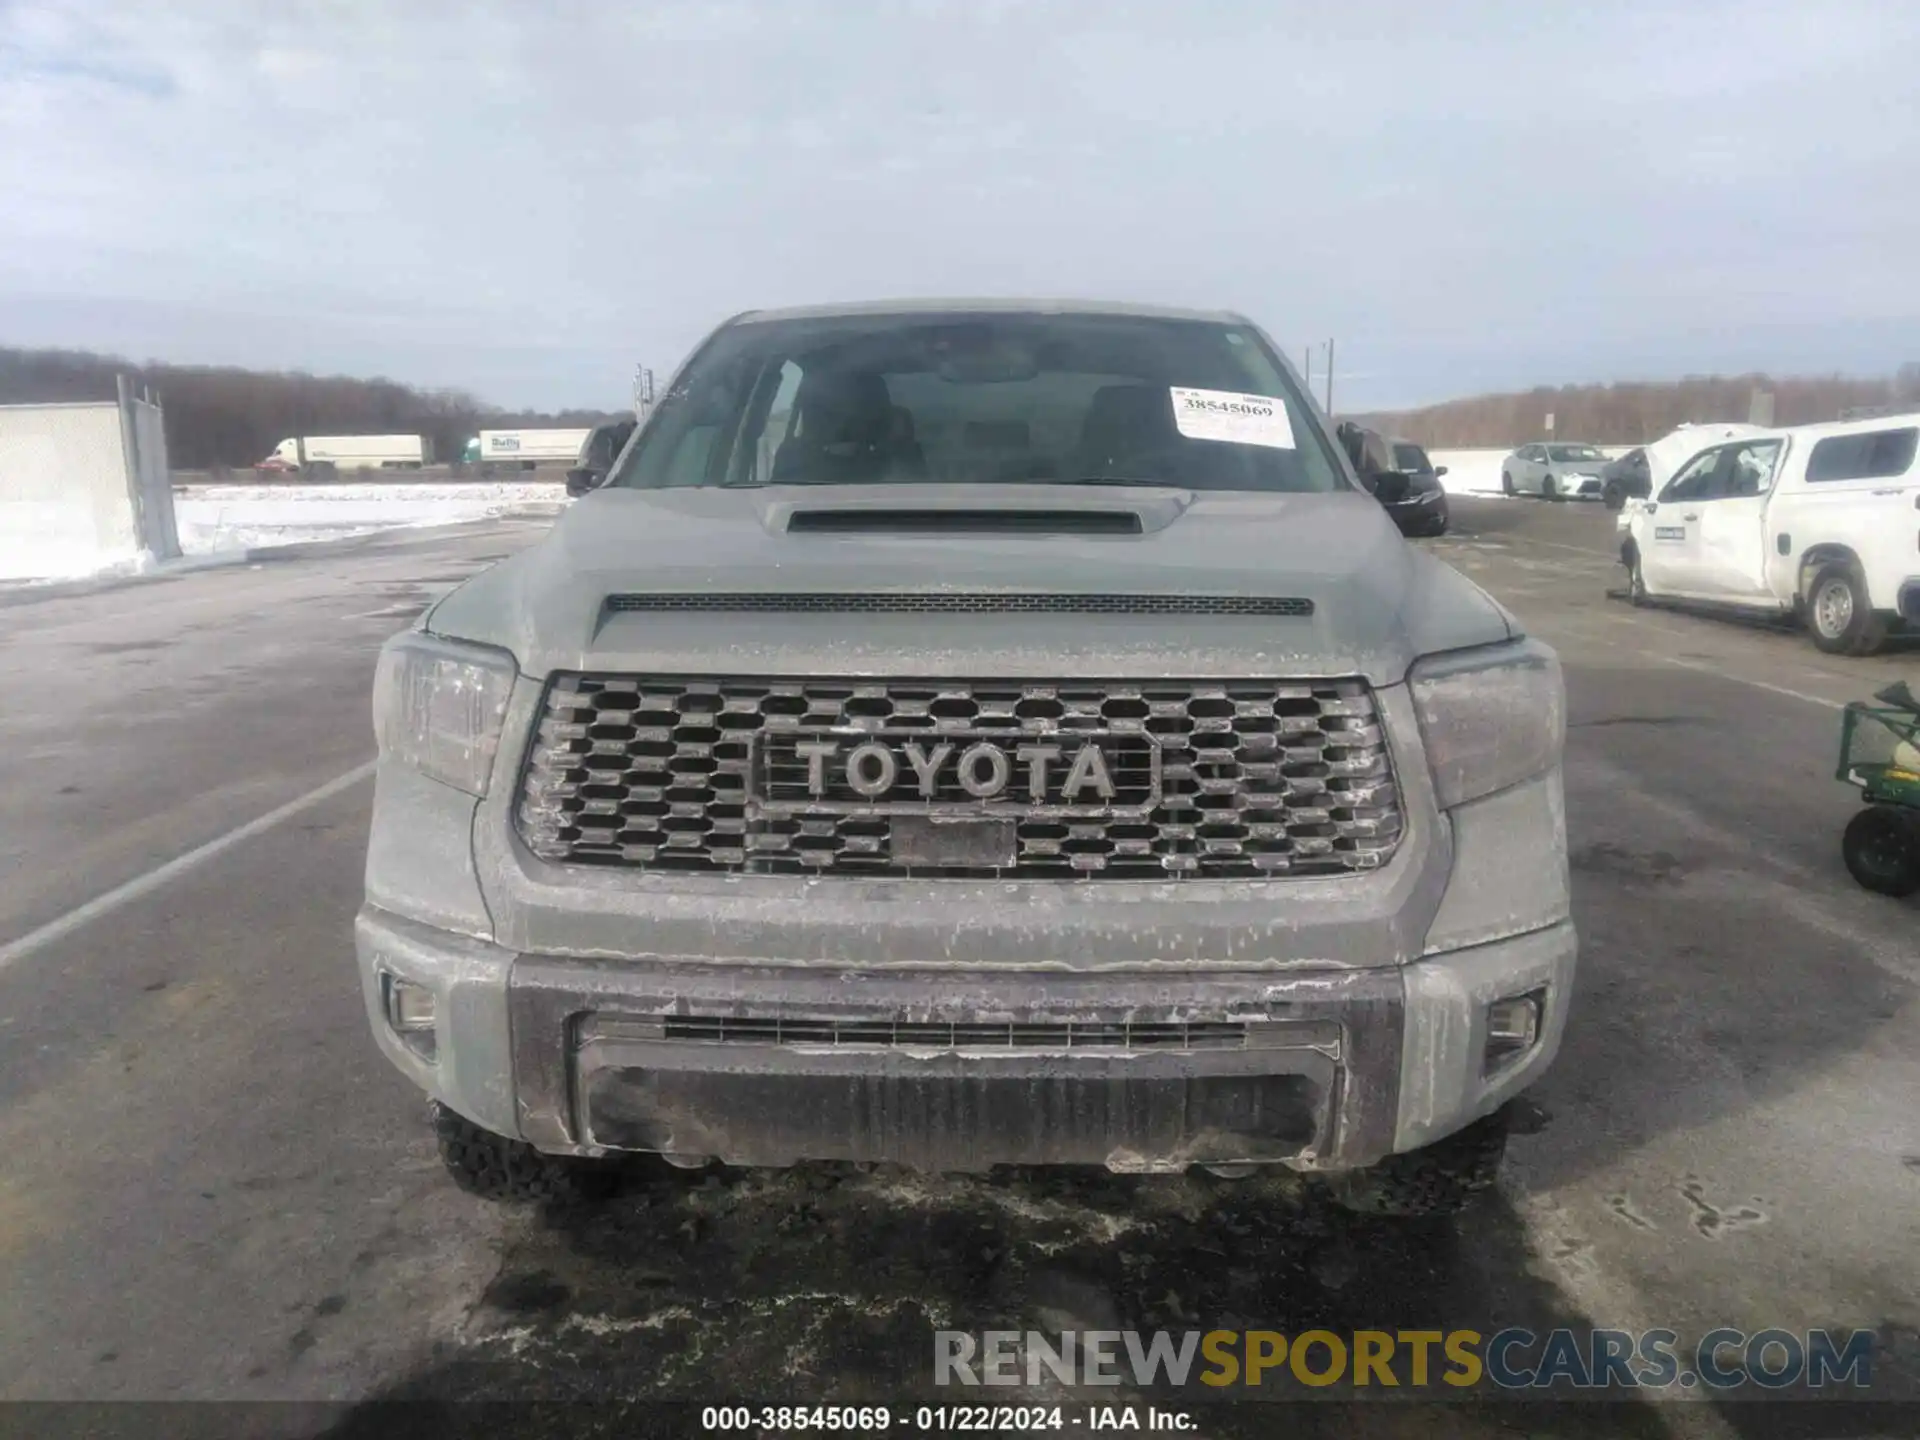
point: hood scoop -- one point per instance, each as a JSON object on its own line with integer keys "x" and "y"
{"x": 964, "y": 522}
{"x": 938, "y": 510}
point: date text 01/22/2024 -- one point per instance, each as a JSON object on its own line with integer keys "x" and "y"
{"x": 1006, "y": 1419}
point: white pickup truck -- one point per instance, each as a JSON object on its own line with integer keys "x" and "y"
{"x": 1821, "y": 522}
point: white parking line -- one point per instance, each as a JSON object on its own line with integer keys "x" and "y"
{"x": 1580, "y": 633}
{"x": 1601, "y": 556}
{"x": 1756, "y": 684}
{"x": 142, "y": 885}
{"x": 405, "y": 607}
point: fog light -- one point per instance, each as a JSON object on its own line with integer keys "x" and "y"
{"x": 410, "y": 1012}
{"x": 1513, "y": 1025}
{"x": 409, "y": 1006}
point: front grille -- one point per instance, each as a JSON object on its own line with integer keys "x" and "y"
{"x": 984, "y": 603}
{"x": 1210, "y": 779}
{"x": 960, "y": 1034}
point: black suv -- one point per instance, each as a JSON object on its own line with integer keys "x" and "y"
{"x": 597, "y": 454}
{"x": 1401, "y": 477}
{"x": 1627, "y": 478}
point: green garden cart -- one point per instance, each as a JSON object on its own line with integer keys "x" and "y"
{"x": 1880, "y": 754}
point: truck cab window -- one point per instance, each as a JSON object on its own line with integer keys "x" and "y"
{"x": 1696, "y": 480}
{"x": 1750, "y": 468}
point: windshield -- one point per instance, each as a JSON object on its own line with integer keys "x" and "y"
{"x": 1411, "y": 457}
{"x": 972, "y": 397}
{"x": 1573, "y": 452}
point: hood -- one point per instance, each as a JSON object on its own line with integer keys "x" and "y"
{"x": 814, "y": 580}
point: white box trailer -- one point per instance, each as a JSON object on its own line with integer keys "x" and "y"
{"x": 350, "y": 452}
{"x": 526, "y": 448}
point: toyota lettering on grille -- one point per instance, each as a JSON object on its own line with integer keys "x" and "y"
{"x": 1071, "y": 773}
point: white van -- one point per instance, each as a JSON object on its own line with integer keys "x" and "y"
{"x": 1817, "y": 521}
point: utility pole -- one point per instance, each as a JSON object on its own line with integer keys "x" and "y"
{"x": 1307, "y": 374}
{"x": 1329, "y": 378}
{"x": 642, "y": 392}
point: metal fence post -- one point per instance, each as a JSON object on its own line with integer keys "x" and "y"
{"x": 130, "y": 459}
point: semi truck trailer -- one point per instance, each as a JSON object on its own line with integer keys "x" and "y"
{"x": 525, "y": 448}
{"x": 321, "y": 454}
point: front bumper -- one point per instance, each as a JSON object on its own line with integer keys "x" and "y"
{"x": 1330, "y": 1070}
{"x": 1344, "y": 1018}
{"x": 1426, "y": 510}
{"x": 1909, "y": 600}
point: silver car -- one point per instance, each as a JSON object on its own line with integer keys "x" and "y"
{"x": 1554, "y": 471}
{"x": 972, "y": 733}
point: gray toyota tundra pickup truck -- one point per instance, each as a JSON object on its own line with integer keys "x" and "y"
{"x": 973, "y": 733}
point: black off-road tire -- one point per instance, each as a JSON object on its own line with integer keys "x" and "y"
{"x": 496, "y": 1168}
{"x": 1881, "y": 846}
{"x": 1443, "y": 1178}
{"x": 1863, "y": 632}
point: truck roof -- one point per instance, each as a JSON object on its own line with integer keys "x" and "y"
{"x": 1892, "y": 420}
{"x": 987, "y": 306}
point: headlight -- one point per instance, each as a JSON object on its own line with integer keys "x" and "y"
{"x": 438, "y": 707}
{"x": 1491, "y": 717}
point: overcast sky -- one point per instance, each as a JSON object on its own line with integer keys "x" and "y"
{"x": 526, "y": 200}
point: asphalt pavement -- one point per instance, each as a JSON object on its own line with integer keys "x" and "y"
{"x": 213, "y": 1186}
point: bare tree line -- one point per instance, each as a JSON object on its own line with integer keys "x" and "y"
{"x": 1637, "y": 411}
{"x": 224, "y": 416}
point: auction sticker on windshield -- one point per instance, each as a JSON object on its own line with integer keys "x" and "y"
{"x": 1223, "y": 415}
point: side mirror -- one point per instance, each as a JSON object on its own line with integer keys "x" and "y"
{"x": 1390, "y": 486}
{"x": 1439, "y": 470}
{"x": 580, "y": 480}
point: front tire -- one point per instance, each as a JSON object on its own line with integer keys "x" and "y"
{"x": 1550, "y": 489}
{"x": 512, "y": 1171}
{"x": 1839, "y": 612}
{"x": 1882, "y": 849}
{"x": 1443, "y": 1178}
{"x": 1506, "y": 484}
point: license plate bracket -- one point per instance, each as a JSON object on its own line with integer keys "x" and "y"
{"x": 952, "y": 841}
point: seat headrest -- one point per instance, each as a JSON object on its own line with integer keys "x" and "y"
{"x": 1124, "y": 421}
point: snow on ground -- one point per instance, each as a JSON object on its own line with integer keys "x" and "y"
{"x": 221, "y": 523}
{"x": 1470, "y": 471}
{"x": 28, "y": 564}
{"x": 213, "y": 519}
